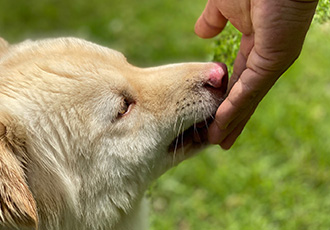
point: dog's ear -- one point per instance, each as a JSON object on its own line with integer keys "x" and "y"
{"x": 18, "y": 208}
{"x": 3, "y": 46}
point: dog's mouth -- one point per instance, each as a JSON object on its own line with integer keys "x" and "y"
{"x": 194, "y": 137}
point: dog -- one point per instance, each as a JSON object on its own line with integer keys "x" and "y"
{"x": 83, "y": 133}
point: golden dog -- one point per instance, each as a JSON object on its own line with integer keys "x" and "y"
{"x": 83, "y": 133}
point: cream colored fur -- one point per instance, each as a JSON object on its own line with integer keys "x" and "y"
{"x": 83, "y": 133}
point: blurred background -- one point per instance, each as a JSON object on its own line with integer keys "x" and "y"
{"x": 276, "y": 176}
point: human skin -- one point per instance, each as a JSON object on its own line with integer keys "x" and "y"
{"x": 273, "y": 33}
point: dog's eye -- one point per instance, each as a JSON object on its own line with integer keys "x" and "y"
{"x": 125, "y": 108}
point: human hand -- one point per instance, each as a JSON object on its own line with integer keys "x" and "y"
{"x": 273, "y": 33}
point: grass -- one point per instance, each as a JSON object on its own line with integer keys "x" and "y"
{"x": 277, "y": 175}
{"x": 147, "y": 32}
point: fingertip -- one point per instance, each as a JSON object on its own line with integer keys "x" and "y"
{"x": 201, "y": 30}
{"x": 215, "y": 135}
{"x": 205, "y": 29}
{"x": 211, "y": 22}
{"x": 229, "y": 141}
{"x": 226, "y": 145}
{"x": 218, "y": 137}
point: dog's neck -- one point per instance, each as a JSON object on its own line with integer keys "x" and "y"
{"x": 79, "y": 196}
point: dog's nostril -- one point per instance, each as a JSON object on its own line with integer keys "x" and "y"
{"x": 218, "y": 78}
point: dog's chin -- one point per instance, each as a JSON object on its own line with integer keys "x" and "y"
{"x": 192, "y": 139}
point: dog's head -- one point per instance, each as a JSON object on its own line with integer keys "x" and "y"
{"x": 81, "y": 127}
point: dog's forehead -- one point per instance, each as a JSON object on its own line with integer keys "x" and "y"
{"x": 71, "y": 58}
{"x": 56, "y": 68}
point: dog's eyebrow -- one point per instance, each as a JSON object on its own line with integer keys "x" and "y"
{"x": 48, "y": 70}
{"x": 58, "y": 72}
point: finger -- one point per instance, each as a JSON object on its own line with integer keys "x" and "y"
{"x": 247, "y": 43}
{"x": 241, "y": 97}
{"x": 218, "y": 136}
{"x": 230, "y": 139}
{"x": 211, "y": 22}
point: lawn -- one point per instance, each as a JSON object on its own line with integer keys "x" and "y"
{"x": 276, "y": 176}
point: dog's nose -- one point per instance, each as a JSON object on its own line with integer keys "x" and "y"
{"x": 218, "y": 78}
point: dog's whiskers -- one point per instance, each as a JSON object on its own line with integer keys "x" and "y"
{"x": 195, "y": 126}
{"x": 195, "y": 120}
{"x": 175, "y": 123}
{"x": 182, "y": 139}
{"x": 205, "y": 121}
{"x": 211, "y": 116}
{"x": 177, "y": 140}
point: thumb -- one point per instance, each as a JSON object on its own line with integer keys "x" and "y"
{"x": 211, "y": 22}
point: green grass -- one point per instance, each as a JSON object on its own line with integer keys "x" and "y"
{"x": 277, "y": 175}
{"x": 148, "y": 32}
